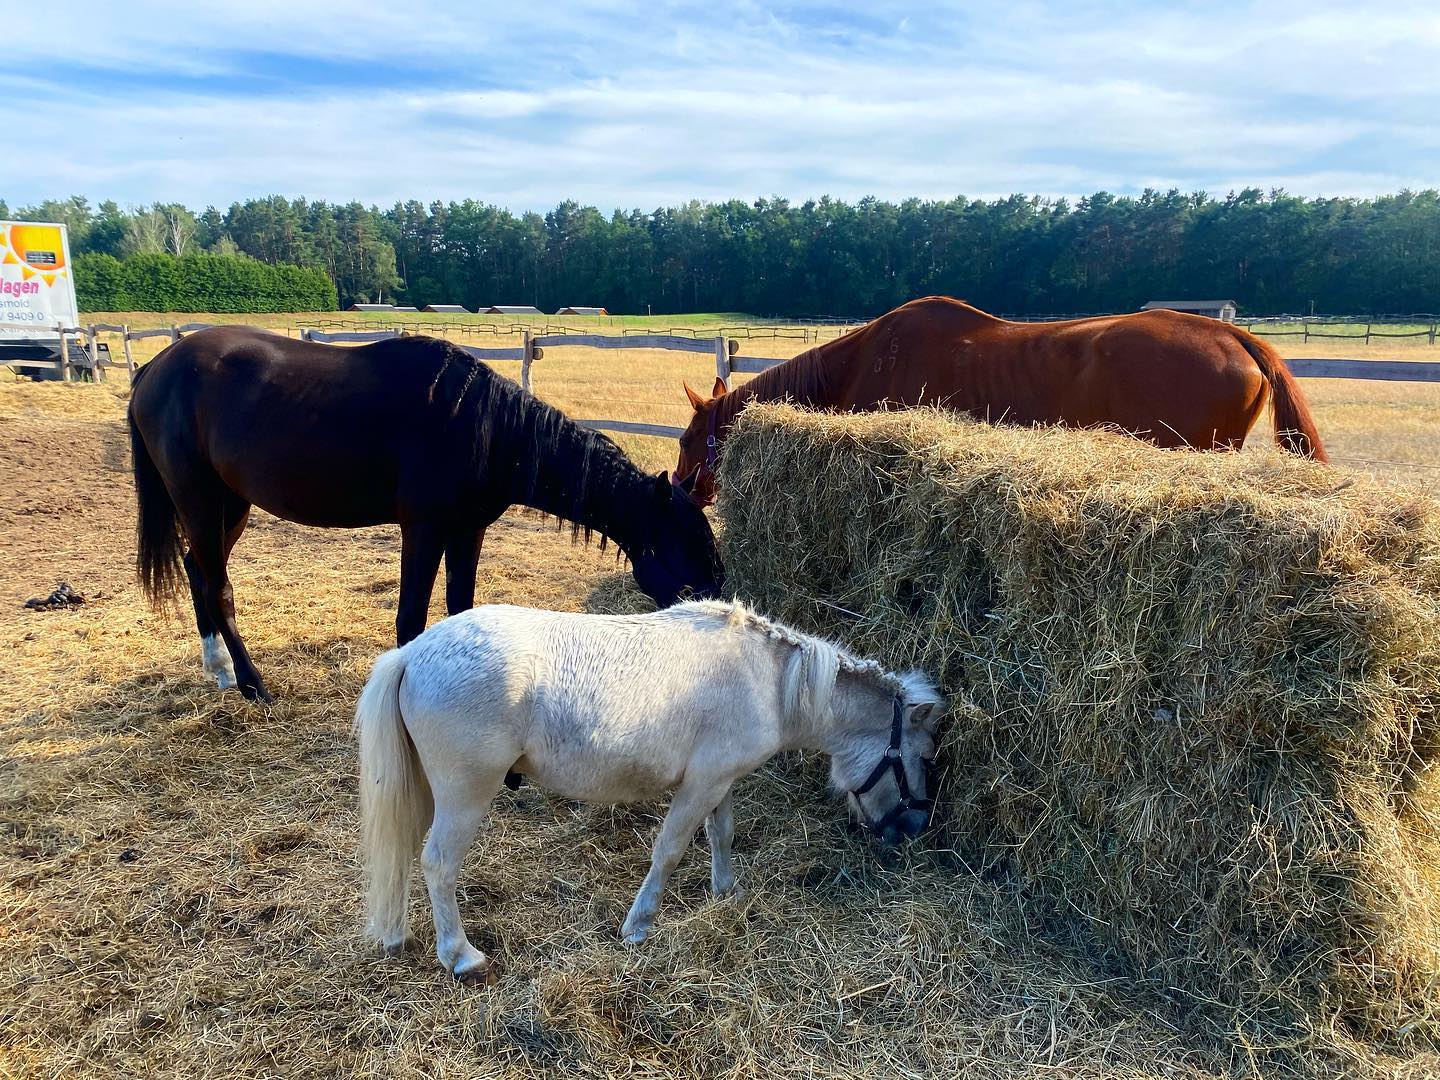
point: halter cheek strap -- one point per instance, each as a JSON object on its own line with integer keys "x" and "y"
{"x": 712, "y": 444}
{"x": 892, "y": 762}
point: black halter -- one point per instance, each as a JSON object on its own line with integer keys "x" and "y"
{"x": 892, "y": 762}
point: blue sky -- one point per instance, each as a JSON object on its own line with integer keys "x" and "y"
{"x": 642, "y": 105}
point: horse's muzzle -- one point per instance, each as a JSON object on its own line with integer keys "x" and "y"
{"x": 906, "y": 826}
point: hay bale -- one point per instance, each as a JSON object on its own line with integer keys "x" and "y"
{"x": 1204, "y": 688}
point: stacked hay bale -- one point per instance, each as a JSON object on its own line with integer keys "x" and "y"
{"x": 1203, "y": 687}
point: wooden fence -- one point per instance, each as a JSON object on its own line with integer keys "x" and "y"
{"x": 726, "y": 351}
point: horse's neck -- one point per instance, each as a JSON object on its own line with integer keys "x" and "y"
{"x": 800, "y": 380}
{"x": 833, "y": 729}
{"x": 576, "y": 479}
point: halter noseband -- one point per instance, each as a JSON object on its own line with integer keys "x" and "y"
{"x": 892, "y": 762}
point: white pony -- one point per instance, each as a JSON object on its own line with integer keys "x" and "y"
{"x": 613, "y": 709}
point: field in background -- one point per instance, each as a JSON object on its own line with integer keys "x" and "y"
{"x": 1388, "y": 429}
{"x": 177, "y": 886}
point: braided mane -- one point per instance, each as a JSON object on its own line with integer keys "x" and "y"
{"x": 740, "y": 616}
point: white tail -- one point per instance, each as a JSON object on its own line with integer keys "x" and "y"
{"x": 395, "y": 801}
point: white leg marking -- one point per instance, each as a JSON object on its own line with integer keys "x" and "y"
{"x": 217, "y": 661}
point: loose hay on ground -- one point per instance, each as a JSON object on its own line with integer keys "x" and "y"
{"x": 178, "y": 895}
{"x": 1204, "y": 689}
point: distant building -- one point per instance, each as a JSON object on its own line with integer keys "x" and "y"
{"x": 447, "y": 309}
{"x": 405, "y": 309}
{"x": 1224, "y": 310}
{"x": 513, "y": 309}
{"x": 371, "y": 307}
{"x": 582, "y": 311}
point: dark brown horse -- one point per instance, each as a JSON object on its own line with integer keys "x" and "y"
{"x": 1177, "y": 380}
{"x": 411, "y": 430}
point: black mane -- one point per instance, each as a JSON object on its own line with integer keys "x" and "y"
{"x": 545, "y": 460}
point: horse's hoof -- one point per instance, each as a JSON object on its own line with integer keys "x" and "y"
{"x": 257, "y": 693}
{"x": 636, "y": 936}
{"x": 486, "y": 974}
{"x": 397, "y": 951}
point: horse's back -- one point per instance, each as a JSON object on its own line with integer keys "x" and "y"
{"x": 510, "y": 657}
{"x": 318, "y": 434}
{"x": 1174, "y": 377}
{"x": 594, "y": 707}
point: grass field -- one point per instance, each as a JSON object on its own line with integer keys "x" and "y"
{"x": 178, "y": 893}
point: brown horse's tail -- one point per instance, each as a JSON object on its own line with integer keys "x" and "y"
{"x": 157, "y": 531}
{"x": 1294, "y": 426}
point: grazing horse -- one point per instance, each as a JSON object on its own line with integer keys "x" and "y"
{"x": 410, "y": 430}
{"x": 615, "y": 708}
{"x": 1177, "y": 380}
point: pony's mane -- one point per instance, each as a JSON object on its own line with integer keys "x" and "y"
{"x": 740, "y": 616}
{"x": 506, "y": 428}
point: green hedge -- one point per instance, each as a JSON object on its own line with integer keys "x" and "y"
{"x": 199, "y": 282}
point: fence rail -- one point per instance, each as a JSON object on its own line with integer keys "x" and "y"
{"x": 728, "y": 360}
{"x": 1378, "y": 370}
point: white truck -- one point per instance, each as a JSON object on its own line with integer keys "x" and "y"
{"x": 37, "y": 298}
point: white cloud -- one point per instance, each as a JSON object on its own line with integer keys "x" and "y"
{"x": 623, "y": 105}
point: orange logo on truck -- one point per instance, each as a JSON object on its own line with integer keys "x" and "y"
{"x": 37, "y": 249}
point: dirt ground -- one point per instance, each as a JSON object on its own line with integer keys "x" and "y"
{"x": 178, "y": 888}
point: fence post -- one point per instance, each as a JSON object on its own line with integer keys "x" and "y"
{"x": 129, "y": 360}
{"x": 722, "y": 360}
{"x": 526, "y": 356}
{"x": 1306, "y": 327}
{"x": 174, "y": 332}
{"x": 1367, "y": 333}
{"x": 92, "y": 347}
{"x": 64, "y": 353}
{"x": 1432, "y": 331}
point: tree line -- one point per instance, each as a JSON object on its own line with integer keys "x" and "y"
{"x": 1271, "y": 252}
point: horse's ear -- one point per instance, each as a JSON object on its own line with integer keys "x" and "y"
{"x": 921, "y": 713}
{"x": 719, "y": 389}
{"x": 663, "y": 488}
{"x": 696, "y": 401}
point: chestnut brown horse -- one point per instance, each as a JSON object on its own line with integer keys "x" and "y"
{"x": 1177, "y": 380}
{"x": 411, "y": 430}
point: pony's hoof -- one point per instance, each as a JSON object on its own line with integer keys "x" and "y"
{"x": 396, "y": 951}
{"x": 636, "y": 936}
{"x": 483, "y": 974}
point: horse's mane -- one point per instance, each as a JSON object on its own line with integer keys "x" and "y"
{"x": 806, "y": 378}
{"x": 555, "y": 466}
{"x": 740, "y": 616}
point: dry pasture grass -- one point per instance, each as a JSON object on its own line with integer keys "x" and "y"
{"x": 178, "y": 892}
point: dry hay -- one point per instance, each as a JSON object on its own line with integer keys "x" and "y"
{"x": 1204, "y": 689}
{"x": 179, "y": 895}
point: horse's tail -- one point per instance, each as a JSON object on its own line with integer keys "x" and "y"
{"x": 158, "y": 542}
{"x": 395, "y": 800}
{"x": 1294, "y": 426}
